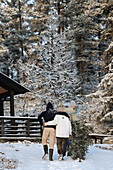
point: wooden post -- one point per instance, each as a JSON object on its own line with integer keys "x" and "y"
{"x": 2, "y": 127}
{"x": 95, "y": 140}
{"x": 1, "y": 108}
{"x": 28, "y": 127}
{"x": 101, "y": 140}
{"x": 11, "y": 103}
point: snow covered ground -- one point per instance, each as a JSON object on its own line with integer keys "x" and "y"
{"x": 28, "y": 155}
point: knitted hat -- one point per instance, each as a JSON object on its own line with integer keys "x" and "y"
{"x": 72, "y": 103}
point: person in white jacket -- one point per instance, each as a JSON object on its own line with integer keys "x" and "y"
{"x": 63, "y": 131}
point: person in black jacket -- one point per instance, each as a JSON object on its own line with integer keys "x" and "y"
{"x": 48, "y": 131}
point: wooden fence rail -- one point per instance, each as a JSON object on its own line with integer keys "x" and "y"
{"x": 20, "y": 128}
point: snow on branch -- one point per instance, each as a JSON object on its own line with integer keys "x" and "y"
{"x": 108, "y": 116}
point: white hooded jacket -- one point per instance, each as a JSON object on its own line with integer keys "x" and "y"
{"x": 63, "y": 126}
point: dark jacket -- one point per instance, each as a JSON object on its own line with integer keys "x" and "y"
{"x": 47, "y": 115}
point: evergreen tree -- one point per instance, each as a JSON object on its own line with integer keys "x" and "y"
{"x": 80, "y": 141}
{"x": 80, "y": 42}
{"x": 52, "y": 71}
{"x": 52, "y": 47}
{"x": 19, "y": 34}
{"x": 100, "y": 103}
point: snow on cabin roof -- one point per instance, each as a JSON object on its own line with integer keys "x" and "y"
{"x": 7, "y": 83}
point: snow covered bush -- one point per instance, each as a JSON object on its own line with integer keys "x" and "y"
{"x": 8, "y": 163}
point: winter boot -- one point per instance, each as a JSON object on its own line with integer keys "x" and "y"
{"x": 51, "y": 154}
{"x": 68, "y": 153}
{"x": 61, "y": 157}
{"x": 45, "y": 152}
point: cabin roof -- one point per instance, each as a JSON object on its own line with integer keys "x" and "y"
{"x": 7, "y": 84}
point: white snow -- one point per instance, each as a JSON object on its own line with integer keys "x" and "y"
{"x": 30, "y": 155}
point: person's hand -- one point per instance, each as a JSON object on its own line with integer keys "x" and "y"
{"x": 74, "y": 107}
{"x": 70, "y": 135}
{"x": 44, "y": 124}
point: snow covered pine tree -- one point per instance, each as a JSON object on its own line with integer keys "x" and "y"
{"x": 80, "y": 141}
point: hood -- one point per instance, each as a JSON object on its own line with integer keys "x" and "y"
{"x": 49, "y": 106}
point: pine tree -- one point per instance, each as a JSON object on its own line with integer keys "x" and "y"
{"x": 84, "y": 23}
{"x": 52, "y": 49}
{"x": 100, "y": 103}
{"x": 19, "y": 34}
{"x": 80, "y": 141}
{"x": 80, "y": 42}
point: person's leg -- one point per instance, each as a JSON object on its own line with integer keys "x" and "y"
{"x": 64, "y": 140}
{"x": 62, "y": 148}
{"x": 50, "y": 154}
{"x": 44, "y": 142}
{"x": 45, "y": 136}
{"x": 51, "y": 143}
{"x": 59, "y": 148}
{"x": 52, "y": 133}
{"x": 58, "y": 145}
{"x": 67, "y": 145}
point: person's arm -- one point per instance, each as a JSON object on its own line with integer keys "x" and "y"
{"x": 52, "y": 122}
{"x": 70, "y": 127}
{"x": 40, "y": 119}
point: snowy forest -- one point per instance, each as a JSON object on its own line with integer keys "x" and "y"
{"x": 61, "y": 50}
